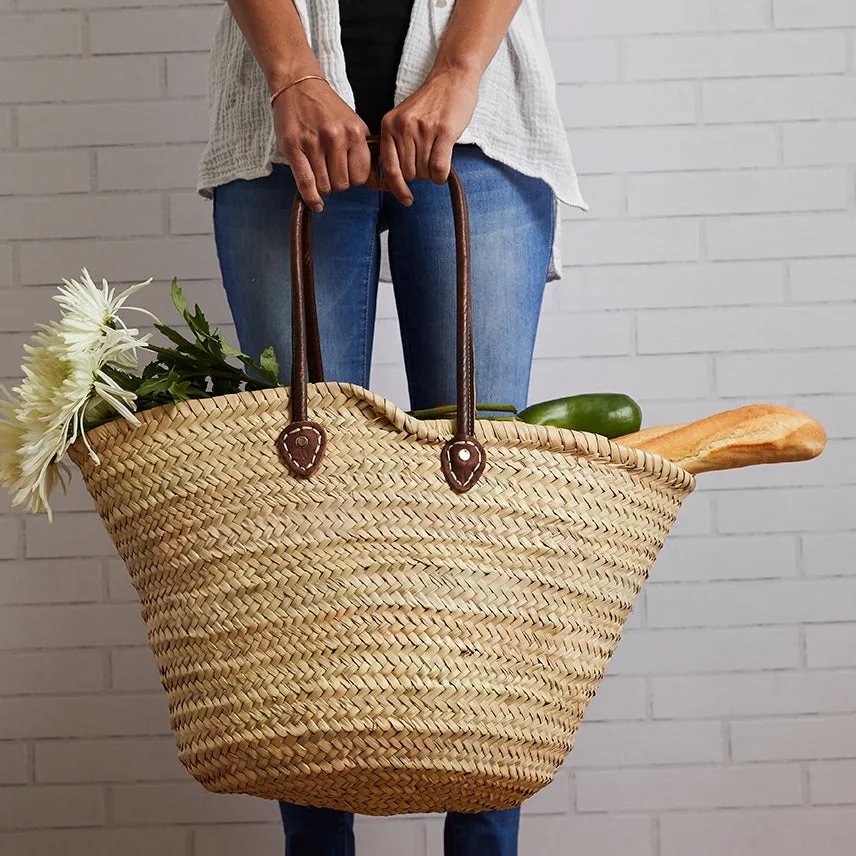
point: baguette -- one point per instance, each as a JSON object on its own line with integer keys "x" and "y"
{"x": 756, "y": 434}
{"x": 646, "y": 435}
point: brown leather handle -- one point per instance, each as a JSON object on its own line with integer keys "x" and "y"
{"x": 303, "y": 442}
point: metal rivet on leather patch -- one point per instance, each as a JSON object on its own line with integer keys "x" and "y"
{"x": 302, "y": 441}
{"x": 464, "y": 454}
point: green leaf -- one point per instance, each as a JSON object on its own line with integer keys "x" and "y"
{"x": 186, "y": 354}
{"x": 155, "y": 385}
{"x": 174, "y": 336}
{"x": 124, "y": 379}
{"x": 228, "y": 350}
{"x": 214, "y": 347}
{"x": 153, "y": 368}
{"x": 199, "y": 323}
{"x": 178, "y": 298}
{"x": 269, "y": 364}
{"x": 179, "y": 391}
{"x": 221, "y": 386}
{"x": 195, "y": 320}
{"x": 196, "y": 363}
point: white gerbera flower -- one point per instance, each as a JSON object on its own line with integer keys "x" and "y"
{"x": 67, "y": 387}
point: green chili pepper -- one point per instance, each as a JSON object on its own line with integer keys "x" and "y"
{"x": 609, "y": 414}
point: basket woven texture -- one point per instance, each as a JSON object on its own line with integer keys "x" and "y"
{"x": 369, "y": 639}
{"x": 366, "y": 638}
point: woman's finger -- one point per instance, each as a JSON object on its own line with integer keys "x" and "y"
{"x": 304, "y": 177}
{"x": 359, "y": 163}
{"x": 338, "y": 168}
{"x": 318, "y": 161}
{"x": 391, "y": 168}
{"x": 440, "y": 158}
{"x": 407, "y": 156}
{"x": 424, "y": 145}
{"x": 374, "y": 181}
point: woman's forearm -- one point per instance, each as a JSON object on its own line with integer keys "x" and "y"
{"x": 475, "y": 32}
{"x": 276, "y": 37}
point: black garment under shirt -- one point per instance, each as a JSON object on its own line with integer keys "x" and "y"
{"x": 373, "y": 33}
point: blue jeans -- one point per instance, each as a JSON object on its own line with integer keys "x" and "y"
{"x": 511, "y": 226}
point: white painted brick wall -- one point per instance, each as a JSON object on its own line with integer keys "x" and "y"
{"x": 742, "y": 832}
{"x": 57, "y": 34}
{"x": 98, "y": 79}
{"x": 819, "y": 143}
{"x": 717, "y": 267}
{"x": 688, "y": 787}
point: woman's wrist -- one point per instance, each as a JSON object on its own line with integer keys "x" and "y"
{"x": 285, "y": 86}
{"x": 472, "y": 37}
{"x": 277, "y": 38}
{"x": 286, "y": 71}
{"x": 462, "y": 70}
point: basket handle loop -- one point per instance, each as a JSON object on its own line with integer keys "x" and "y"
{"x": 303, "y": 442}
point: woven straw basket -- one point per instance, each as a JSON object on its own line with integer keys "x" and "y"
{"x": 368, "y": 619}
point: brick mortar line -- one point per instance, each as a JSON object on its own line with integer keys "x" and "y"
{"x": 766, "y": 169}
{"x": 109, "y": 692}
{"x": 85, "y": 48}
{"x": 713, "y": 809}
{"x": 799, "y": 556}
{"x": 13, "y": 127}
{"x": 107, "y": 671}
{"x": 93, "y": 172}
{"x": 621, "y": 59}
{"x": 803, "y": 648}
{"x": 787, "y": 286}
{"x": 16, "y": 267}
{"x": 166, "y": 214}
{"x": 105, "y": 580}
{"x": 650, "y": 82}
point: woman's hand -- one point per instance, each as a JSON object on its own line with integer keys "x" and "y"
{"x": 323, "y": 139}
{"x": 417, "y": 136}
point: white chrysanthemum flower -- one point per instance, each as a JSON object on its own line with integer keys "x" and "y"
{"x": 11, "y": 440}
{"x": 89, "y": 312}
{"x": 89, "y": 390}
{"x": 32, "y": 433}
{"x": 67, "y": 387}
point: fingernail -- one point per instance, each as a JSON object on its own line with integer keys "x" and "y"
{"x": 318, "y": 208}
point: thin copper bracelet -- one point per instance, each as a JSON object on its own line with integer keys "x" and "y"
{"x": 284, "y": 87}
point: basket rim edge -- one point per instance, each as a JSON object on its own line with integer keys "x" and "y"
{"x": 547, "y": 436}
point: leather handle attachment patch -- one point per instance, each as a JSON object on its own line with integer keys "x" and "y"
{"x": 462, "y": 459}
{"x": 302, "y": 446}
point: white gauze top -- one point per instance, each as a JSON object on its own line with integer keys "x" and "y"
{"x": 516, "y": 121}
